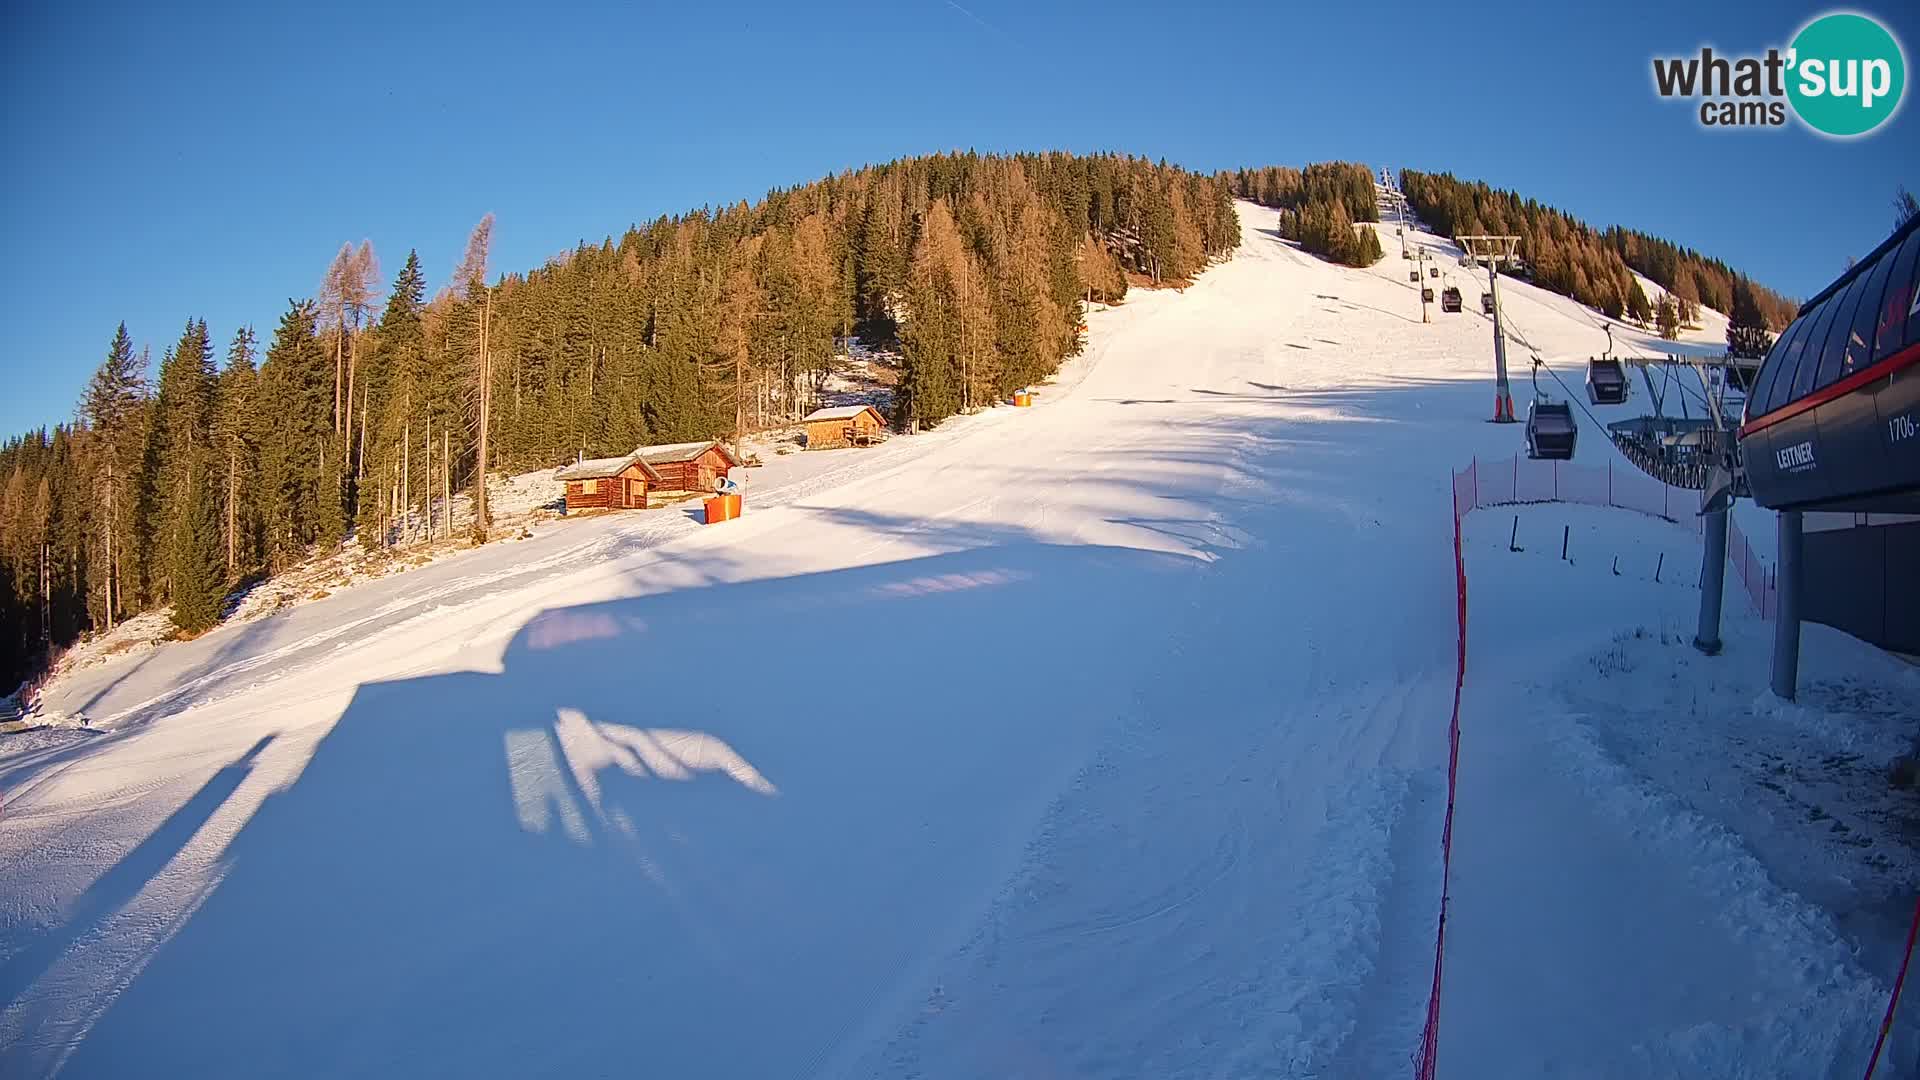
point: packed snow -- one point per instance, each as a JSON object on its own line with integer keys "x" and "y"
{"x": 1101, "y": 738}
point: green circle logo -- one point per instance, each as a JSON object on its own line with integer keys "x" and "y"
{"x": 1847, "y": 74}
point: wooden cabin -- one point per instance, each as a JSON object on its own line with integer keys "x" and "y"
{"x": 618, "y": 483}
{"x": 688, "y": 466}
{"x": 847, "y": 425}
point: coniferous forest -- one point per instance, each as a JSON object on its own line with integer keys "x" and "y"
{"x": 355, "y": 407}
{"x": 1319, "y": 206}
{"x": 1592, "y": 265}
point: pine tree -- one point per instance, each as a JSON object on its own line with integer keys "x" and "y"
{"x": 198, "y": 568}
{"x": 112, "y": 407}
{"x": 181, "y": 435}
{"x": 930, "y": 335}
{"x": 236, "y": 446}
{"x": 300, "y": 474}
{"x": 1366, "y": 247}
{"x": 1668, "y": 318}
{"x": 391, "y": 405}
{"x": 1638, "y": 309}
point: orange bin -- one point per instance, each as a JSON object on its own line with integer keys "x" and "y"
{"x": 1022, "y": 398}
{"x": 722, "y": 508}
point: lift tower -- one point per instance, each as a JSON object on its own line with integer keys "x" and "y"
{"x": 1491, "y": 251}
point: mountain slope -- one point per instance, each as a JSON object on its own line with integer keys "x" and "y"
{"x": 724, "y": 801}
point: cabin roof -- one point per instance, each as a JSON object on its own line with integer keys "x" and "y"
{"x": 841, "y": 412}
{"x": 675, "y": 453}
{"x": 598, "y": 468}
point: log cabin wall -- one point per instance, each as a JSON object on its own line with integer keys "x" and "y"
{"x": 628, "y": 491}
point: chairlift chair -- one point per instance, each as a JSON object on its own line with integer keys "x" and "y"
{"x": 1551, "y": 430}
{"x": 1450, "y": 300}
{"x": 1606, "y": 382}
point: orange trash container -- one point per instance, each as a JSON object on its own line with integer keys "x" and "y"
{"x": 1022, "y": 399}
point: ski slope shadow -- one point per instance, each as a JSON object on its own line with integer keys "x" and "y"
{"x": 711, "y": 831}
{"x": 127, "y": 877}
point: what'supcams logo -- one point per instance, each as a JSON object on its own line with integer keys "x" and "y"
{"x": 1844, "y": 75}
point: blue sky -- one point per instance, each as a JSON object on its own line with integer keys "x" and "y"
{"x": 164, "y": 163}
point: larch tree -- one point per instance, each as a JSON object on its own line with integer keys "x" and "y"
{"x": 1747, "y": 335}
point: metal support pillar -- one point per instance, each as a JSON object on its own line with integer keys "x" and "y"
{"x": 1713, "y": 580}
{"x": 1502, "y": 395}
{"x": 1786, "y": 625}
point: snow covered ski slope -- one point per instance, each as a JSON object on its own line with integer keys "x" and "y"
{"x": 1102, "y": 738}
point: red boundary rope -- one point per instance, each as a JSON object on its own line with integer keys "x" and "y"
{"x": 1886, "y": 1022}
{"x": 1428, "y": 1056}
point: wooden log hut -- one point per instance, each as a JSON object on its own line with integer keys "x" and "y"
{"x": 688, "y": 466}
{"x": 617, "y": 483}
{"x": 847, "y": 425}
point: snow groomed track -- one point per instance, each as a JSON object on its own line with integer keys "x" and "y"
{"x": 1103, "y": 738}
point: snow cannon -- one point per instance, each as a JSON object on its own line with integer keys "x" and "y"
{"x": 726, "y": 503}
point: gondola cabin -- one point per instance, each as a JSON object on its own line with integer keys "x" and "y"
{"x": 1606, "y": 382}
{"x": 1433, "y": 271}
{"x": 1450, "y": 300}
{"x": 1426, "y": 296}
{"x": 1833, "y": 419}
{"x": 616, "y": 483}
{"x": 689, "y": 466}
{"x": 1551, "y": 430}
{"x": 1832, "y": 429}
{"x": 847, "y": 425}
{"x": 1486, "y": 303}
{"x": 1413, "y": 276}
